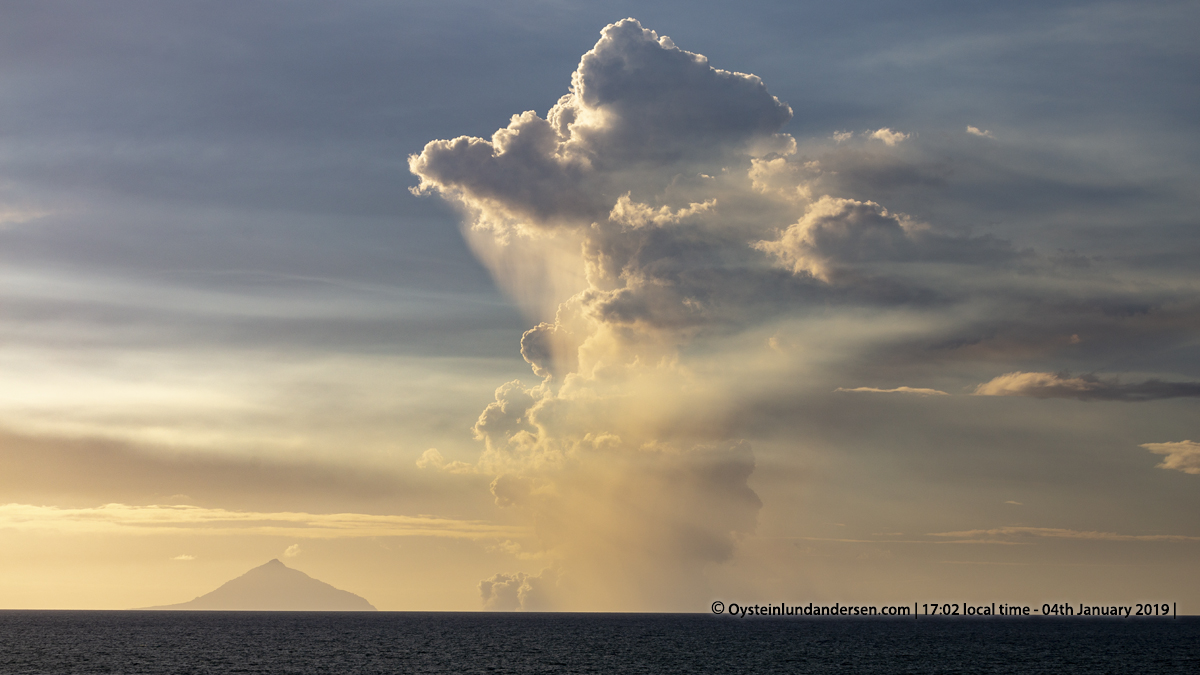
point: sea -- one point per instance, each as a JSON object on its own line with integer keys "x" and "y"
{"x": 300, "y": 643}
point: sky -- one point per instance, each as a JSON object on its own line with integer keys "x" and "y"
{"x": 605, "y": 306}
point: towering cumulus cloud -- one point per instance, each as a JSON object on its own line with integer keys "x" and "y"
{"x": 656, "y": 202}
{"x": 619, "y": 190}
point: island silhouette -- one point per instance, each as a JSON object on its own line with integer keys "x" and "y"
{"x": 275, "y": 587}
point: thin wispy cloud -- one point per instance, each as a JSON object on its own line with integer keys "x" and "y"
{"x": 125, "y": 519}
{"x": 897, "y": 390}
{"x": 1084, "y": 387}
{"x": 14, "y": 215}
{"x": 1017, "y": 533}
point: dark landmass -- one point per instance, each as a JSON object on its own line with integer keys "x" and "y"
{"x": 276, "y": 587}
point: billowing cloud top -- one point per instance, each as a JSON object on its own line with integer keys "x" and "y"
{"x": 676, "y": 182}
{"x": 637, "y": 102}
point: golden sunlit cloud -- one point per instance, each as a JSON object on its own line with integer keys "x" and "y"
{"x": 432, "y": 459}
{"x": 1084, "y": 387}
{"x": 604, "y": 457}
{"x": 1181, "y": 456}
{"x": 897, "y": 390}
{"x": 655, "y": 210}
{"x": 888, "y": 136}
{"x": 1006, "y": 534}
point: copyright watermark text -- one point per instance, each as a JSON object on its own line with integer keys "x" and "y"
{"x": 1064, "y": 609}
{"x": 784, "y": 609}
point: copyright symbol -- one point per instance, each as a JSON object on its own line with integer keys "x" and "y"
{"x": 718, "y": 607}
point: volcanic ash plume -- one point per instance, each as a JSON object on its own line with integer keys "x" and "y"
{"x": 647, "y": 208}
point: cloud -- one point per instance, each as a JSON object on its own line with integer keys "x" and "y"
{"x": 838, "y": 240}
{"x": 519, "y": 591}
{"x": 1011, "y": 533}
{"x": 642, "y": 168}
{"x": 631, "y": 168}
{"x": 45, "y": 469}
{"x": 155, "y": 519}
{"x": 632, "y": 522}
{"x": 432, "y": 459}
{"x": 897, "y": 390}
{"x": 652, "y": 216}
{"x": 658, "y": 202}
{"x": 516, "y": 550}
{"x": 184, "y": 557}
{"x": 888, "y": 136}
{"x": 1014, "y": 536}
{"x": 974, "y": 131}
{"x": 1181, "y": 456}
{"x": 292, "y": 551}
{"x": 636, "y": 103}
{"x": 616, "y": 197}
{"x": 834, "y": 231}
{"x": 633, "y": 214}
{"x": 839, "y": 136}
{"x": 1083, "y": 387}
{"x": 13, "y": 215}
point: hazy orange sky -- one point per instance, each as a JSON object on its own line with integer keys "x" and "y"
{"x": 458, "y": 306}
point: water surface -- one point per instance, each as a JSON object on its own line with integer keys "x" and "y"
{"x": 302, "y": 643}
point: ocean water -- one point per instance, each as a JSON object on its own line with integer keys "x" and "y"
{"x": 417, "y": 642}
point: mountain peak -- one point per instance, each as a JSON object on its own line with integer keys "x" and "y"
{"x": 274, "y": 586}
